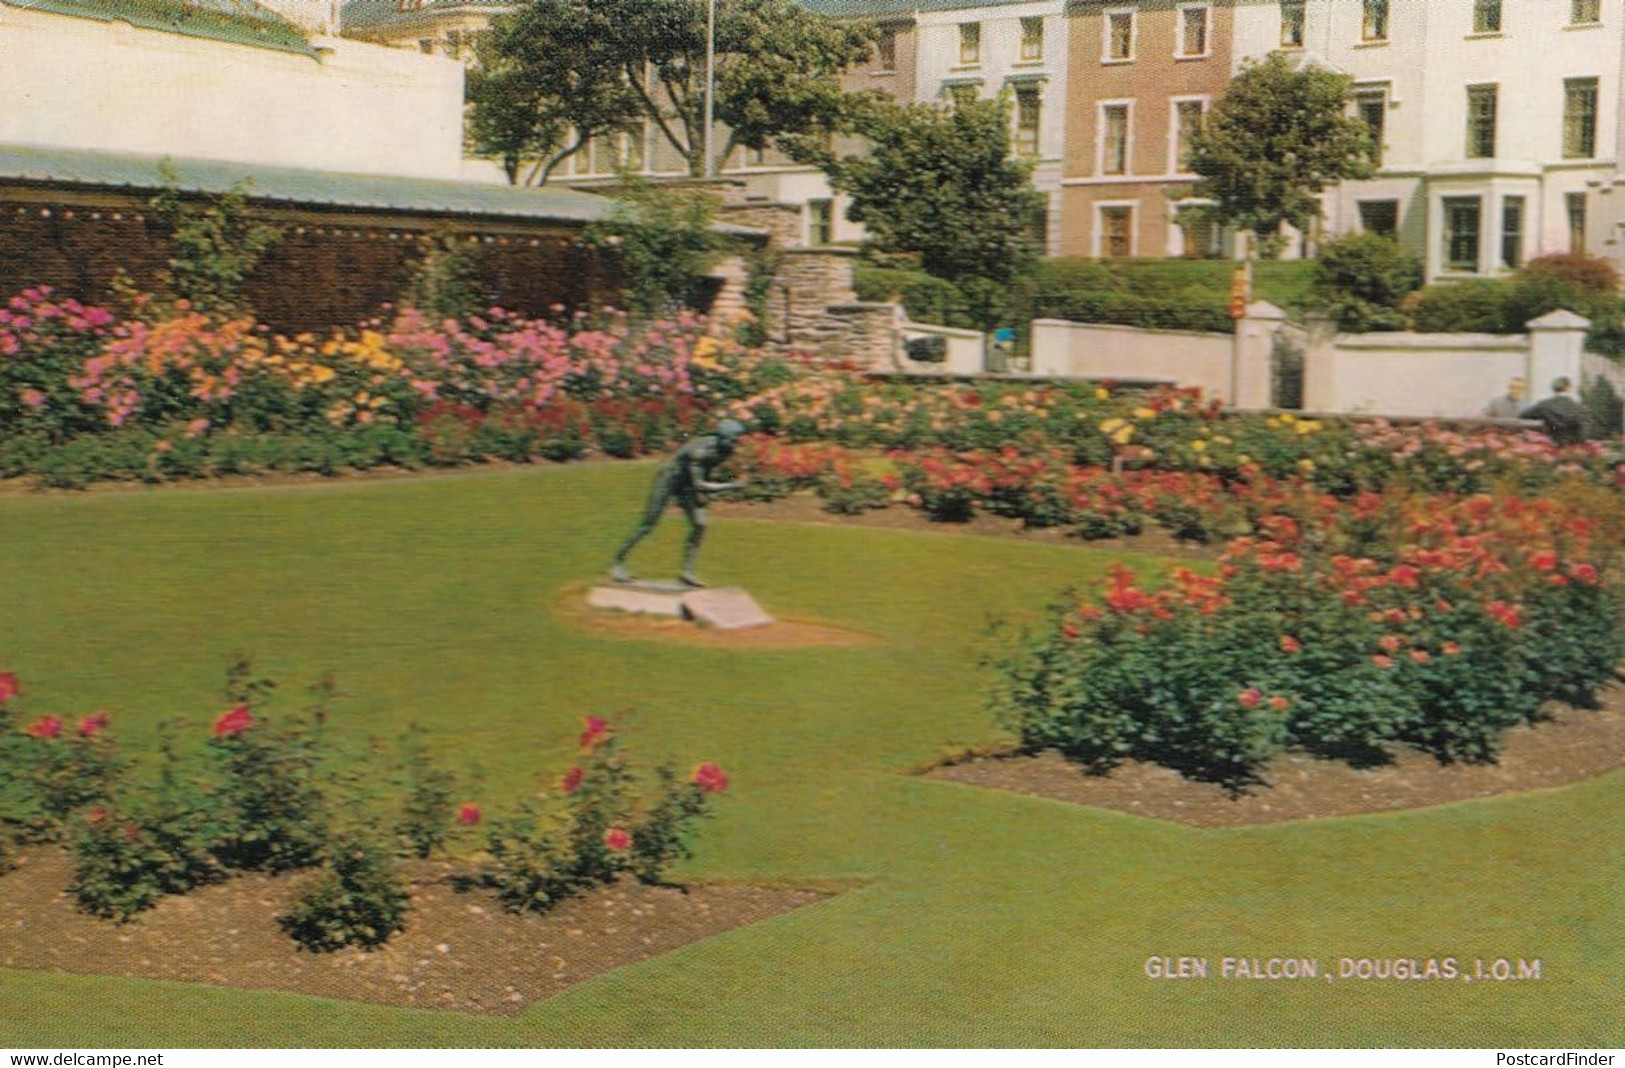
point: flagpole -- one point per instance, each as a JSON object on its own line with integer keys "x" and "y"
{"x": 710, "y": 84}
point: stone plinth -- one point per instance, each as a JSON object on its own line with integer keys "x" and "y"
{"x": 729, "y": 608}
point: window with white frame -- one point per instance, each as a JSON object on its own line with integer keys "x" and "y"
{"x": 1512, "y": 216}
{"x": 1486, "y": 16}
{"x": 1579, "y": 118}
{"x": 1119, "y": 41}
{"x": 1380, "y": 217}
{"x": 1193, "y": 32}
{"x": 1481, "y": 113}
{"x": 1027, "y": 120}
{"x": 1116, "y": 229}
{"x": 1575, "y": 203}
{"x": 1032, "y": 39}
{"x": 1292, "y": 23}
{"x": 1114, "y": 135}
{"x": 1585, "y": 11}
{"x": 962, "y": 93}
{"x": 1187, "y": 122}
{"x": 1374, "y": 20}
{"x": 970, "y": 44}
{"x": 820, "y": 222}
{"x": 1463, "y": 222}
{"x": 1371, "y": 104}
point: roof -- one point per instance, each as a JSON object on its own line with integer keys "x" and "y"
{"x": 139, "y": 174}
{"x": 235, "y": 21}
{"x": 362, "y": 15}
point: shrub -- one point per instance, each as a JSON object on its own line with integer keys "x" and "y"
{"x": 662, "y": 836}
{"x": 925, "y": 298}
{"x": 425, "y": 819}
{"x": 268, "y": 804}
{"x": 118, "y": 867}
{"x": 359, "y": 900}
{"x": 1360, "y": 279}
{"x": 1472, "y": 306}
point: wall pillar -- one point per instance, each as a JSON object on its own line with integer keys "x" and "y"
{"x": 1252, "y": 361}
{"x": 1556, "y": 345}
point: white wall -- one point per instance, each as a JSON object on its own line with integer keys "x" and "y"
{"x": 1094, "y": 350}
{"x": 79, "y": 83}
{"x": 1412, "y": 374}
{"x": 966, "y": 350}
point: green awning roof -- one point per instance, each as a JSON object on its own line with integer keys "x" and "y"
{"x": 236, "y": 21}
{"x": 138, "y": 174}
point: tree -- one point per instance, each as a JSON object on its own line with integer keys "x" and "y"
{"x": 940, "y": 183}
{"x": 662, "y": 242}
{"x": 1273, "y": 141}
{"x": 555, "y": 73}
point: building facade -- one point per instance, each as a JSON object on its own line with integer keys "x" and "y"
{"x": 1141, "y": 77}
{"x": 1497, "y": 119}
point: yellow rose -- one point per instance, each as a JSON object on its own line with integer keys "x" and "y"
{"x": 1111, "y": 425}
{"x": 1306, "y": 464}
{"x": 1143, "y": 414}
{"x": 1199, "y": 446}
{"x": 1101, "y": 394}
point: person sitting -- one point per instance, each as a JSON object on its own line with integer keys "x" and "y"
{"x": 1510, "y": 404}
{"x": 1559, "y": 414}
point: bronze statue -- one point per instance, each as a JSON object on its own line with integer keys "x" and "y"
{"x": 686, "y": 476}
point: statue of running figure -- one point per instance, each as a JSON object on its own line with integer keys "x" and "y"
{"x": 686, "y": 477}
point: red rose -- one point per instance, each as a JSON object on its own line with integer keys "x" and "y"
{"x": 1450, "y": 648}
{"x": 596, "y": 730}
{"x": 235, "y": 721}
{"x": 1289, "y": 644}
{"x": 1544, "y": 560}
{"x": 1582, "y": 573}
{"x": 1391, "y": 643}
{"x": 131, "y": 832}
{"x": 45, "y": 727}
{"x": 1382, "y": 661}
{"x": 572, "y": 780}
{"x": 710, "y": 778}
{"x": 617, "y": 839}
{"x": 1250, "y": 697}
{"x": 8, "y": 686}
{"x": 1421, "y": 656}
{"x": 1280, "y": 704}
{"x": 1070, "y": 631}
{"x": 469, "y": 814}
{"x": 93, "y": 725}
{"x": 96, "y": 816}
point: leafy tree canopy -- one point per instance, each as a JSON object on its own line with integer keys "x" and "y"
{"x": 555, "y": 73}
{"x": 1273, "y": 141}
{"x": 940, "y": 183}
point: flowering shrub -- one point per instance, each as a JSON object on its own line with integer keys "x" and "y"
{"x": 1460, "y": 620}
{"x": 596, "y": 829}
{"x": 359, "y": 900}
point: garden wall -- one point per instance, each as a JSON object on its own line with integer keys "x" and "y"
{"x": 330, "y": 269}
{"x": 1101, "y": 351}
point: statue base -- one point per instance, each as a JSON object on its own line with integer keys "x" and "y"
{"x": 727, "y": 608}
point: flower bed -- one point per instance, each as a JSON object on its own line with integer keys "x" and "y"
{"x": 84, "y": 396}
{"x": 275, "y": 796}
{"x": 1425, "y": 621}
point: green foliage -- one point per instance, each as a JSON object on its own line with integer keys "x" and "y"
{"x": 555, "y": 72}
{"x": 941, "y": 185}
{"x": 118, "y": 867}
{"x": 445, "y": 283}
{"x": 1478, "y": 305}
{"x": 269, "y": 809}
{"x": 1603, "y": 408}
{"x": 528, "y": 866}
{"x": 1360, "y": 279}
{"x": 425, "y": 821}
{"x": 662, "y": 836}
{"x": 1273, "y": 141}
{"x": 926, "y": 299}
{"x": 359, "y": 900}
{"x": 215, "y": 244}
{"x": 661, "y": 242}
{"x": 1168, "y": 294}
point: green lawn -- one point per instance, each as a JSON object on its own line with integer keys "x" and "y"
{"x": 983, "y": 918}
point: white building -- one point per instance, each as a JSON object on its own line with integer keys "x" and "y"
{"x": 1497, "y": 118}
{"x": 981, "y": 50}
{"x": 86, "y": 79}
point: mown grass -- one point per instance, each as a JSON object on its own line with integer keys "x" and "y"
{"x": 983, "y": 918}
